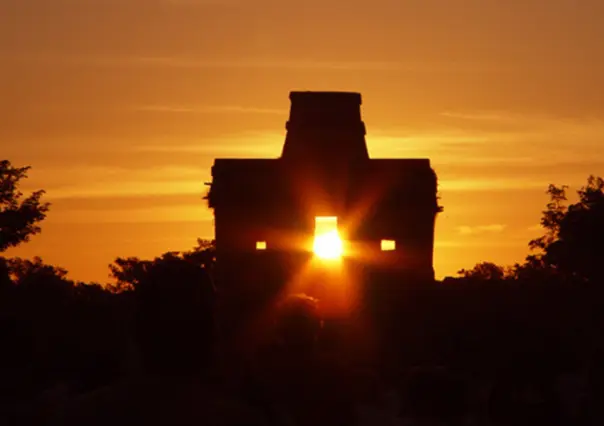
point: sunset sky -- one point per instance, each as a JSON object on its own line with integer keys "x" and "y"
{"x": 120, "y": 107}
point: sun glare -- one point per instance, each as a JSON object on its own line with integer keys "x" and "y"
{"x": 327, "y": 243}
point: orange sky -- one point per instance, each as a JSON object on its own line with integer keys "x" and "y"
{"x": 120, "y": 106}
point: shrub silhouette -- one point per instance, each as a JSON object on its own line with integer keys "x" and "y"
{"x": 174, "y": 315}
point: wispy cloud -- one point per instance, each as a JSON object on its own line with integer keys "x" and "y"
{"x": 193, "y": 62}
{"x": 130, "y": 188}
{"x": 239, "y": 150}
{"x": 193, "y": 212}
{"x": 479, "y": 115}
{"x": 492, "y": 184}
{"x": 209, "y": 109}
{"x": 245, "y": 144}
{"x": 95, "y": 182}
{"x": 480, "y": 229}
{"x": 498, "y": 138}
{"x": 202, "y": 2}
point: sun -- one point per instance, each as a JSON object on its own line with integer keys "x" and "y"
{"x": 327, "y": 242}
{"x": 328, "y": 245}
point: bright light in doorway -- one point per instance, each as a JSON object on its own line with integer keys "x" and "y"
{"x": 327, "y": 243}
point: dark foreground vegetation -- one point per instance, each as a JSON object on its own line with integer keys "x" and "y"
{"x": 520, "y": 345}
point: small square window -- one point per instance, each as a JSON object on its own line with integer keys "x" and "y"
{"x": 388, "y": 245}
{"x": 260, "y": 245}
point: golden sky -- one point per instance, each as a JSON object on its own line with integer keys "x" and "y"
{"x": 120, "y": 107}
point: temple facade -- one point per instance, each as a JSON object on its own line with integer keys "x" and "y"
{"x": 266, "y": 211}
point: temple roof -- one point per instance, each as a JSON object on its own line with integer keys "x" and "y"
{"x": 312, "y": 96}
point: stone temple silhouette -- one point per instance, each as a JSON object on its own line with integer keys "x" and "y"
{"x": 265, "y": 210}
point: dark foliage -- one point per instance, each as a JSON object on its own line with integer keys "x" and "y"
{"x": 573, "y": 244}
{"x": 571, "y": 248}
{"x": 513, "y": 328}
{"x": 19, "y": 217}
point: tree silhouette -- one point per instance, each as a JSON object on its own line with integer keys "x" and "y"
{"x": 23, "y": 270}
{"x": 571, "y": 247}
{"x": 18, "y": 216}
{"x": 204, "y": 254}
{"x": 552, "y": 217}
{"x": 44, "y": 284}
{"x": 485, "y": 271}
{"x": 131, "y": 272}
{"x": 533, "y": 270}
{"x": 5, "y": 281}
{"x": 174, "y": 298}
{"x": 572, "y": 244}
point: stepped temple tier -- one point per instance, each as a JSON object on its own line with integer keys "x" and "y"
{"x": 325, "y": 199}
